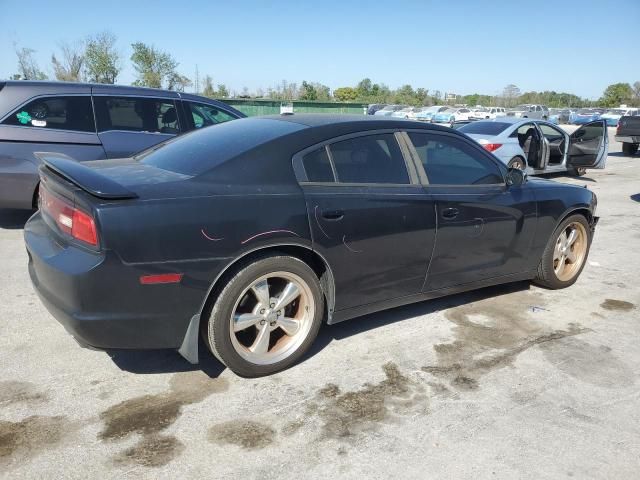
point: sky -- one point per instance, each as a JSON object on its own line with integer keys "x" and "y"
{"x": 463, "y": 47}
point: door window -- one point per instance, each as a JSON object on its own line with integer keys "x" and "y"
{"x": 369, "y": 159}
{"x": 450, "y": 161}
{"x": 550, "y": 133}
{"x": 59, "y": 113}
{"x": 136, "y": 114}
{"x": 318, "y": 166}
{"x": 204, "y": 115}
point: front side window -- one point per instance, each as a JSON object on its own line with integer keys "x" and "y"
{"x": 58, "y": 113}
{"x": 136, "y": 114}
{"x": 369, "y": 159}
{"x": 204, "y": 115}
{"x": 450, "y": 161}
{"x": 550, "y": 133}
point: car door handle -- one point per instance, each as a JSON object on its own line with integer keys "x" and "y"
{"x": 450, "y": 213}
{"x": 333, "y": 215}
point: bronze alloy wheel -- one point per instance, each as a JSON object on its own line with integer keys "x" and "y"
{"x": 272, "y": 318}
{"x": 570, "y": 251}
{"x": 517, "y": 163}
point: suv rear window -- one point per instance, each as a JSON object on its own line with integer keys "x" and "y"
{"x": 59, "y": 113}
{"x": 202, "y": 150}
{"x": 484, "y": 128}
{"x": 137, "y": 114}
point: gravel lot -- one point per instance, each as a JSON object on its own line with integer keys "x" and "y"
{"x": 507, "y": 382}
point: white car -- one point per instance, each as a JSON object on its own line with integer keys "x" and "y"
{"x": 451, "y": 115}
{"x": 407, "y": 112}
{"x": 479, "y": 113}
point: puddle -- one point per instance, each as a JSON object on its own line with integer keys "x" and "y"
{"x": 13, "y": 391}
{"x": 617, "y": 305}
{"x": 247, "y": 434}
{"x": 152, "y": 451}
{"x": 23, "y": 440}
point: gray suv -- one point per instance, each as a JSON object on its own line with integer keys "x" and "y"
{"x": 88, "y": 122}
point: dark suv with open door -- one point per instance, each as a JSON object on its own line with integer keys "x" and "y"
{"x": 88, "y": 122}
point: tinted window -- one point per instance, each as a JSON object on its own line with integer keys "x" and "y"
{"x": 317, "y": 166}
{"x": 136, "y": 114}
{"x": 370, "y": 159}
{"x": 205, "y": 149}
{"x": 61, "y": 113}
{"x": 450, "y": 161}
{"x": 204, "y": 115}
{"x": 485, "y": 128}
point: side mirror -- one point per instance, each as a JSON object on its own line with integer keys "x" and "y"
{"x": 516, "y": 177}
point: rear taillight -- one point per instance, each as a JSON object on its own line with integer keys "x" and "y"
{"x": 69, "y": 219}
{"x": 491, "y": 147}
{"x": 618, "y": 128}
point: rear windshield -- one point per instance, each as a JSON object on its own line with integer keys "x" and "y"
{"x": 202, "y": 150}
{"x": 485, "y": 128}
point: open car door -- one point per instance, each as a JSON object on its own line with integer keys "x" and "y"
{"x": 589, "y": 145}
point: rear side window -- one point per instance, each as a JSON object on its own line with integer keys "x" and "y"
{"x": 317, "y": 166}
{"x": 58, "y": 113}
{"x": 136, "y": 114}
{"x": 450, "y": 161}
{"x": 204, "y": 115}
{"x": 484, "y": 128}
{"x": 369, "y": 159}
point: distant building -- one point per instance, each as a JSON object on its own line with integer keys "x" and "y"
{"x": 450, "y": 97}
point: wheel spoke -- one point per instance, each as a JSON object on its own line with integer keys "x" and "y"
{"x": 261, "y": 344}
{"x": 245, "y": 320}
{"x": 261, "y": 291}
{"x": 289, "y": 325}
{"x": 571, "y": 256}
{"x": 573, "y": 236}
{"x": 288, "y": 295}
{"x": 561, "y": 265}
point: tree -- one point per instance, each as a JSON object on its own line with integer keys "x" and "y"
{"x": 345, "y": 94}
{"x": 636, "y": 91}
{"x": 69, "y": 67}
{"x": 308, "y": 92}
{"x": 616, "y": 94}
{"x": 154, "y": 67}
{"x": 364, "y": 88}
{"x": 178, "y": 82}
{"x": 208, "y": 90}
{"x": 510, "y": 93}
{"x": 27, "y": 66}
{"x": 101, "y": 60}
{"x": 223, "y": 92}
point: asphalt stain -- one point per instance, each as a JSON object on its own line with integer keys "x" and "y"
{"x": 345, "y": 414}
{"x": 489, "y": 335}
{"x": 12, "y": 391}
{"x": 593, "y": 364}
{"x": 247, "y": 434}
{"x": 617, "y": 305}
{"x": 148, "y": 415}
{"x": 20, "y": 441}
{"x": 152, "y": 451}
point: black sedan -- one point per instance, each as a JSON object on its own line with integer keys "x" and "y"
{"x": 257, "y": 231}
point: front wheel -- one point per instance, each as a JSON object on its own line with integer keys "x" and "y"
{"x": 629, "y": 148}
{"x": 577, "y": 171}
{"x": 266, "y": 317}
{"x": 565, "y": 254}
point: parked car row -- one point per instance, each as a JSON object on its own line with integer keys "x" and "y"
{"x": 88, "y": 122}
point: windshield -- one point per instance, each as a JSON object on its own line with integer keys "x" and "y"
{"x": 616, "y": 111}
{"x": 485, "y": 128}
{"x": 202, "y": 150}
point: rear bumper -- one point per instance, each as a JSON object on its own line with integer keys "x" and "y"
{"x": 99, "y": 299}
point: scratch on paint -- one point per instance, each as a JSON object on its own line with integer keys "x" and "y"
{"x": 350, "y": 249}
{"x": 315, "y": 212}
{"x": 210, "y": 238}
{"x": 268, "y": 233}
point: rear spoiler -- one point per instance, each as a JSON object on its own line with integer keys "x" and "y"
{"x": 88, "y": 179}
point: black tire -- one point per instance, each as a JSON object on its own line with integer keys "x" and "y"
{"x": 515, "y": 160}
{"x": 546, "y": 276}
{"x": 629, "y": 148}
{"x": 216, "y": 331}
{"x": 577, "y": 171}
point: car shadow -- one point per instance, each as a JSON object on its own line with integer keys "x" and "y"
{"x": 620, "y": 154}
{"x": 14, "y": 219}
{"x": 553, "y": 176}
{"x": 170, "y": 361}
{"x": 635, "y": 197}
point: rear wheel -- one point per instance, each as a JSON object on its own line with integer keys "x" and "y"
{"x": 517, "y": 162}
{"x": 577, "y": 171}
{"x": 629, "y": 148}
{"x": 565, "y": 254}
{"x": 266, "y": 317}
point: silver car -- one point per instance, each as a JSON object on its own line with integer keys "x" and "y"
{"x": 538, "y": 146}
